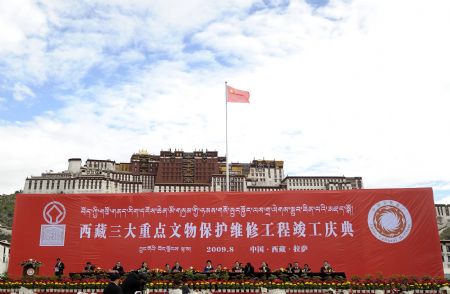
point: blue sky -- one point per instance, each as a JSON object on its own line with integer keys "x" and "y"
{"x": 337, "y": 87}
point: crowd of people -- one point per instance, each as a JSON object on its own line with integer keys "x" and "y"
{"x": 238, "y": 267}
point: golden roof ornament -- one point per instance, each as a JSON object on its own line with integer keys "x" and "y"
{"x": 142, "y": 152}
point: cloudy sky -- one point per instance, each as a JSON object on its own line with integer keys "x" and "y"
{"x": 354, "y": 88}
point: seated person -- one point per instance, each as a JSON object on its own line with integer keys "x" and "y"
{"x": 118, "y": 269}
{"x": 326, "y": 268}
{"x": 264, "y": 267}
{"x": 167, "y": 268}
{"x": 237, "y": 268}
{"x": 208, "y": 268}
{"x": 289, "y": 268}
{"x": 296, "y": 269}
{"x": 306, "y": 269}
{"x": 89, "y": 267}
{"x": 249, "y": 269}
{"x": 143, "y": 268}
{"x": 177, "y": 268}
{"x": 219, "y": 268}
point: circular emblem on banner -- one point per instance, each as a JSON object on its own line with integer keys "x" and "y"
{"x": 54, "y": 212}
{"x": 389, "y": 221}
{"x": 30, "y": 271}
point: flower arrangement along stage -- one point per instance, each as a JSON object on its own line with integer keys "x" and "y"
{"x": 222, "y": 283}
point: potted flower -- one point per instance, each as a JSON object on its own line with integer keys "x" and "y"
{"x": 30, "y": 267}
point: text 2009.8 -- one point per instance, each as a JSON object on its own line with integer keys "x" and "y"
{"x": 219, "y": 249}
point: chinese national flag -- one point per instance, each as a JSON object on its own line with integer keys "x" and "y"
{"x": 236, "y": 95}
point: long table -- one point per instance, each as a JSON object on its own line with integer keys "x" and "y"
{"x": 233, "y": 274}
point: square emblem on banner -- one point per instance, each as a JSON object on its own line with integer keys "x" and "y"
{"x": 52, "y": 235}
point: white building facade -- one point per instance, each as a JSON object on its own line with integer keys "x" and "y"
{"x": 107, "y": 176}
{"x": 322, "y": 183}
{"x": 164, "y": 188}
{"x": 445, "y": 249}
{"x": 265, "y": 173}
{"x": 442, "y": 216}
{"x": 443, "y": 223}
{"x": 238, "y": 183}
{"x": 96, "y": 176}
{"x": 4, "y": 256}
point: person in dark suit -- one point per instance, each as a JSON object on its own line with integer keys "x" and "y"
{"x": 237, "y": 267}
{"x": 59, "y": 268}
{"x": 185, "y": 289}
{"x": 296, "y": 269}
{"x": 118, "y": 269}
{"x": 208, "y": 267}
{"x": 89, "y": 267}
{"x": 177, "y": 268}
{"x": 113, "y": 286}
{"x": 132, "y": 283}
{"x": 249, "y": 269}
{"x": 289, "y": 268}
{"x": 167, "y": 268}
{"x": 143, "y": 268}
{"x": 306, "y": 269}
{"x": 326, "y": 268}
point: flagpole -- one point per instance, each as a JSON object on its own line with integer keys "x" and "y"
{"x": 227, "y": 177}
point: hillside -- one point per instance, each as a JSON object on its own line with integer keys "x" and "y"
{"x": 6, "y": 215}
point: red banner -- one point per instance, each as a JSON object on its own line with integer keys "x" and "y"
{"x": 388, "y": 231}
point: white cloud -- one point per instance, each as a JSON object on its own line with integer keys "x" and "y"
{"x": 22, "y": 92}
{"x": 355, "y": 88}
{"x": 19, "y": 21}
